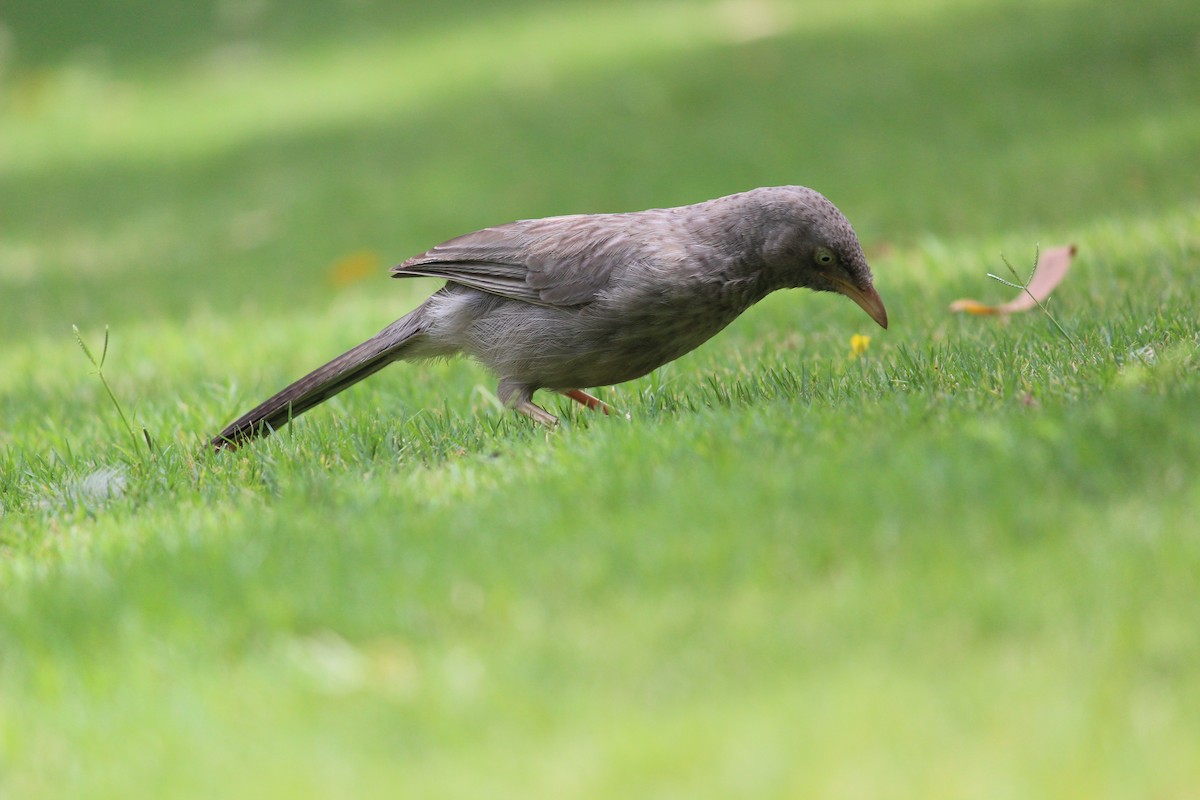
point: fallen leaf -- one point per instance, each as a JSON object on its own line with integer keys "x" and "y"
{"x": 354, "y": 267}
{"x": 1051, "y": 268}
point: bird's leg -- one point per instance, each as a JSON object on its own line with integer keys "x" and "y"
{"x": 590, "y": 401}
{"x": 520, "y": 398}
{"x": 536, "y": 413}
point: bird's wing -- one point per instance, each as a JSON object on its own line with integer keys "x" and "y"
{"x": 557, "y": 261}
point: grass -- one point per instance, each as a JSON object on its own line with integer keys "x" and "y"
{"x": 960, "y": 564}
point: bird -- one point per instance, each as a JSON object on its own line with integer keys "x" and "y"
{"x": 568, "y": 303}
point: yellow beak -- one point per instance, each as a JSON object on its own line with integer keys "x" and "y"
{"x": 866, "y": 297}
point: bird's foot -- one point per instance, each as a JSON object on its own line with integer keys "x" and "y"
{"x": 591, "y": 401}
{"x": 588, "y": 400}
{"x": 536, "y": 413}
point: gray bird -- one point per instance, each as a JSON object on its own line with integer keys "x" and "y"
{"x": 568, "y": 303}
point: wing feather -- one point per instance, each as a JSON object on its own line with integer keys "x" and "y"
{"x": 557, "y": 261}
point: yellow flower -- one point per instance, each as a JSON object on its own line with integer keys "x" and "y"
{"x": 859, "y": 344}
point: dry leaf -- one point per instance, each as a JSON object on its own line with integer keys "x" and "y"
{"x": 354, "y": 267}
{"x": 1052, "y": 267}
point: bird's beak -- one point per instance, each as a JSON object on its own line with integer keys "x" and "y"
{"x": 865, "y": 296}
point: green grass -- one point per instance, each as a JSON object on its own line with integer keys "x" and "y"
{"x": 962, "y": 564}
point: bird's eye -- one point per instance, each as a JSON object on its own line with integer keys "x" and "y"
{"x": 824, "y": 256}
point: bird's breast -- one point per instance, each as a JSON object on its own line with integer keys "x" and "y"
{"x": 624, "y": 334}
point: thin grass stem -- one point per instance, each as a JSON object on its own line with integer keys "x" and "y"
{"x": 99, "y": 365}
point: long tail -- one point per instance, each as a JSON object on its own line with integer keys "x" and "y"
{"x": 324, "y": 382}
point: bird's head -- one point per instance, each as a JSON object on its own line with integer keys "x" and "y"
{"x": 809, "y": 243}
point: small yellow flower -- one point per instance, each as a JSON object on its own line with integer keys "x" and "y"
{"x": 859, "y": 344}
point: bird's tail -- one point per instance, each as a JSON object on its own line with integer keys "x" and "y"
{"x": 324, "y": 382}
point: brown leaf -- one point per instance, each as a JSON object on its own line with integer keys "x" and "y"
{"x": 1052, "y": 267}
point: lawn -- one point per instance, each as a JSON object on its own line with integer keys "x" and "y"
{"x": 964, "y": 562}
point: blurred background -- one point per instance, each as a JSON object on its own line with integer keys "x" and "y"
{"x": 957, "y": 566}
{"x": 162, "y": 158}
